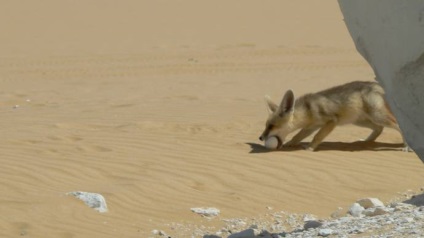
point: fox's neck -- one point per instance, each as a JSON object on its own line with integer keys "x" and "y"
{"x": 298, "y": 119}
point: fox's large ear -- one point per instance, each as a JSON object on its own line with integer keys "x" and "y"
{"x": 287, "y": 104}
{"x": 272, "y": 107}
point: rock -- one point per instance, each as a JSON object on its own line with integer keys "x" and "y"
{"x": 309, "y": 217}
{"x": 407, "y": 220}
{"x": 159, "y": 233}
{"x": 93, "y": 200}
{"x": 356, "y": 210}
{"x": 417, "y": 200}
{"x": 325, "y": 232}
{"x": 249, "y": 233}
{"x": 312, "y": 225}
{"x": 370, "y": 202}
{"x": 208, "y": 211}
{"x": 375, "y": 211}
{"x": 388, "y": 34}
{"x": 402, "y": 206}
{"x": 338, "y": 213}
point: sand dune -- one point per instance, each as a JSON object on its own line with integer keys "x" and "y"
{"x": 161, "y": 128}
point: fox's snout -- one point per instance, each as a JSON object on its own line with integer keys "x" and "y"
{"x": 264, "y": 135}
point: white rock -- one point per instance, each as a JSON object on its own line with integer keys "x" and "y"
{"x": 356, "y": 210}
{"x": 206, "y": 211}
{"x": 159, "y": 233}
{"x": 370, "y": 202}
{"x": 93, "y": 200}
{"x": 309, "y": 217}
{"x": 389, "y": 35}
{"x": 325, "y": 232}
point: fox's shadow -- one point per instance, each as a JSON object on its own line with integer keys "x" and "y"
{"x": 336, "y": 146}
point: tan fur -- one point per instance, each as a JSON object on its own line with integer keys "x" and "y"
{"x": 359, "y": 103}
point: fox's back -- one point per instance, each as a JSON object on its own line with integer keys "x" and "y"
{"x": 345, "y": 103}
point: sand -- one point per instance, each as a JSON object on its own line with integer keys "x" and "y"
{"x": 158, "y": 106}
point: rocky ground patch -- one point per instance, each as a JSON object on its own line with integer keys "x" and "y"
{"x": 367, "y": 217}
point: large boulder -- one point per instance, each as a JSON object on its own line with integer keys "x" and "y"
{"x": 389, "y": 34}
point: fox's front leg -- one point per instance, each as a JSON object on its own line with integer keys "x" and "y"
{"x": 322, "y": 133}
{"x": 302, "y": 134}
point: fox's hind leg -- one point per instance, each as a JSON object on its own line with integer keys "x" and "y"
{"x": 388, "y": 120}
{"x": 406, "y": 147}
{"x": 376, "y": 129}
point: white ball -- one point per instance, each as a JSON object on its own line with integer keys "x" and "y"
{"x": 272, "y": 143}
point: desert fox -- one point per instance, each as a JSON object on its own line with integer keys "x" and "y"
{"x": 358, "y": 103}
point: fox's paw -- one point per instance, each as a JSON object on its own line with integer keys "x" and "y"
{"x": 407, "y": 149}
{"x": 309, "y": 148}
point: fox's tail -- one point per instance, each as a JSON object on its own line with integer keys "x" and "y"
{"x": 392, "y": 118}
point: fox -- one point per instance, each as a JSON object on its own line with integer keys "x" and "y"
{"x": 361, "y": 103}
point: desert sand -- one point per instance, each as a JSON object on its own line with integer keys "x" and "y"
{"x": 158, "y": 106}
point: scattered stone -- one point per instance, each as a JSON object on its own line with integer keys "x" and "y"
{"x": 207, "y": 212}
{"x": 159, "y": 233}
{"x": 211, "y": 236}
{"x": 249, "y": 233}
{"x": 401, "y": 206}
{"x": 377, "y": 222}
{"x": 356, "y": 210}
{"x": 309, "y": 217}
{"x": 375, "y": 211}
{"x": 93, "y": 200}
{"x": 312, "y": 225}
{"x": 325, "y": 232}
{"x": 370, "y": 202}
{"x": 338, "y": 213}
